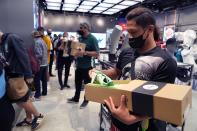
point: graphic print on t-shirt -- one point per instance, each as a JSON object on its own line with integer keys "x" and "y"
{"x": 145, "y": 66}
{"x": 154, "y": 65}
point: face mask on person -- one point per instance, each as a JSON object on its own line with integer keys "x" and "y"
{"x": 137, "y": 42}
{"x": 49, "y": 33}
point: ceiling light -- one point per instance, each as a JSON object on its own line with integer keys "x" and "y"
{"x": 128, "y": 3}
{"x": 82, "y": 10}
{"x": 72, "y": 1}
{"x": 68, "y": 9}
{"x": 53, "y": 7}
{"x": 95, "y": 11}
{"x": 112, "y": 1}
{"x": 100, "y": 22}
{"x": 105, "y": 5}
{"x": 113, "y": 10}
{"x": 53, "y": 4}
{"x": 100, "y": 8}
{"x": 108, "y": 13}
{"x": 85, "y": 7}
{"x": 70, "y": 6}
{"x": 140, "y": 0}
{"x": 120, "y": 7}
{"x": 93, "y": 3}
{"x": 54, "y": 1}
{"x": 94, "y": 0}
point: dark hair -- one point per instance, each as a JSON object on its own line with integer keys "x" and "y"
{"x": 144, "y": 17}
{"x": 171, "y": 41}
{"x": 40, "y": 28}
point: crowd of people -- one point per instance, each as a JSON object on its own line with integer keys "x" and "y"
{"x": 34, "y": 65}
{"x": 148, "y": 61}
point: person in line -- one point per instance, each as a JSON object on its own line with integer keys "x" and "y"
{"x": 63, "y": 61}
{"x": 5, "y": 104}
{"x": 84, "y": 61}
{"x": 171, "y": 46}
{"x": 16, "y": 55}
{"x": 149, "y": 63}
{"x": 52, "y": 52}
{"x": 47, "y": 41}
{"x": 41, "y": 54}
{"x": 60, "y": 37}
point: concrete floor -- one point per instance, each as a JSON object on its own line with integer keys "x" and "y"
{"x": 62, "y": 116}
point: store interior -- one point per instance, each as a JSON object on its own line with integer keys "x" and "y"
{"x": 176, "y": 20}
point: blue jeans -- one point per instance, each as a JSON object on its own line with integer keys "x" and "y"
{"x": 41, "y": 76}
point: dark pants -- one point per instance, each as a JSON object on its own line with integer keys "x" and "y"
{"x": 63, "y": 62}
{"x": 41, "y": 76}
{"x": 7, "y": 114}
{"x": 51, "y": 63}
{"x": 80, "y": 76}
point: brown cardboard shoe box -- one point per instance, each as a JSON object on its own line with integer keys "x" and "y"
{"x": 163, "y": 101}
{"x": 76, "y": 46}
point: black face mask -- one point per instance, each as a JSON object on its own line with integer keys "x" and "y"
{"x": 49, "y": 33}
{"x": 80, "y": 32}
{"x": 137, "y": 42}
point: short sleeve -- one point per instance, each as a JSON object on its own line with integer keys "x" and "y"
{"x": 95, "y": 46}
{"x": 125, "y": 57}
{"x": 166, "y": 72}
{"x": 119, "y": 63}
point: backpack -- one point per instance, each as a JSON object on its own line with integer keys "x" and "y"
{"x": 35, "y": 66}
{"x": 3, "y": 65}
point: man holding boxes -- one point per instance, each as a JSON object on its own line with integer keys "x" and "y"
{"x": 84, "y": 61}
{"x": 149, "y": 63}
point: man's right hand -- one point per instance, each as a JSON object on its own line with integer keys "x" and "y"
{"x": 92, "y": 72}
{"x": 122, "y": 113}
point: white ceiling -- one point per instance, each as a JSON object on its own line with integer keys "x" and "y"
{"x": 92, "y": 6}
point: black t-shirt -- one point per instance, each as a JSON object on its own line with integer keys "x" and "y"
{"x": 154, "y": 65}
{"x": 124, "y": 63}
{"x": 124, "y": 58}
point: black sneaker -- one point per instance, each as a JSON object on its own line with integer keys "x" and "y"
{"x": 44, "y": 94}
{"x": 66, "y": 85}
{"x": 84, "y": 104}
{"x": 72, "y": 100}
{"x": 51, "y": 75}
{"x": 37, "y": 121}
{"x": 62, "y": 87}
{"x": 23, "y": 123}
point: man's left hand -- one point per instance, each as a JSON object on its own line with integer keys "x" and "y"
{"x": 122, "y": 113}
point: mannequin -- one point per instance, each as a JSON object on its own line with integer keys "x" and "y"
{"x": 179, "y": 36}
{"x": 189, "y": 52}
